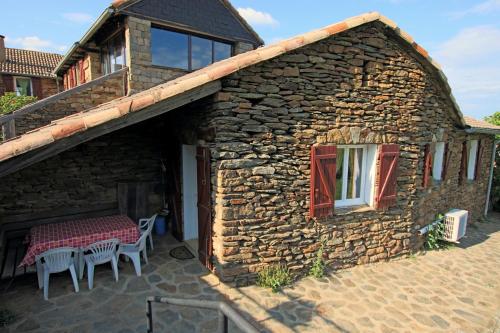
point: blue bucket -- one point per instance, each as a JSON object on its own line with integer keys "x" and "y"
{"x": 160, "y": 225}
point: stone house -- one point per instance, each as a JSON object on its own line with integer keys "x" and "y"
{"x": 135, "y": 45}
{"x": 27, "y": 72}
{"x": 346, "y": 136}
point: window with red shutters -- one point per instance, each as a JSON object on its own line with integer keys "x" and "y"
{"x": 464, "y": 164}
{"x": 446, "y": 161}
{"x": 323, "y": 170}
{"x": 480, "y": 149}
{"x": 427, "y": 165}
{"x": 387, "y": 176}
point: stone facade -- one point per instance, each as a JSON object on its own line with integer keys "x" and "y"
{"x": 70, "y": 102}
{"x": 49, "y": 87}
{"x": 361, "y": 86}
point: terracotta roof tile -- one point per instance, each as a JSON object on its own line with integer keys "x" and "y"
{"x": 480, "y": 124}
{"x": 142, "y": 100}
{"x": 29, "y": 63}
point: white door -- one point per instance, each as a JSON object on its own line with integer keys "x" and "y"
{"x": 189, "y": 194}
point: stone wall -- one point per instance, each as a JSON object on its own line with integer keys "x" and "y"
{"x": 70, "y": 102}
{"x": 85, "y": 176}
{"x": 49, "y": 87}
{"x": 2, "y": 86}
{"x": 361, "y": 86}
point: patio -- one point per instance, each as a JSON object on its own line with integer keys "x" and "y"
{"x": 446, "y": 291}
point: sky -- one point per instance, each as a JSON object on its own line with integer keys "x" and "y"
{"x": 462, "y": 35}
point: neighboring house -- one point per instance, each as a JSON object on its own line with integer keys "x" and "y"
{"x": 27, "y": 72}
{"x": 346, "y": 136}
{"x": 135, "y": 45}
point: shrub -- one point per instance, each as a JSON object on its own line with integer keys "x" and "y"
{"x": 10, "y": 102}
{"x": 318, "y": 268}
{"x": 274, "y": 277}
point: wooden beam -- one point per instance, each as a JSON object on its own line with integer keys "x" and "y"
{"x": 29, "y": 158}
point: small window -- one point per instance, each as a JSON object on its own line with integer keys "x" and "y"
{"x": 23, "y": 86}
{"x": 113, "y": 54}
{"x": 354, "y": 177}
{"x": 438, "y": 161}
{"x": 472, "y": 155}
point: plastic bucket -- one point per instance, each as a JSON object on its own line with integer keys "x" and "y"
{"x": 160, "y": 225}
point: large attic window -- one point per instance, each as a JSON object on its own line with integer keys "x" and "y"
{"x": 183, "y": 51}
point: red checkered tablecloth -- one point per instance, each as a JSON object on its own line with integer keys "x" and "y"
{"x": 79, "y": 234}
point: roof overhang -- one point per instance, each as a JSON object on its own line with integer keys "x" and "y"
{"x": 477, "y": 130}
{"x": 86, "y": 37}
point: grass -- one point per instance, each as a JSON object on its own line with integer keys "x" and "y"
{"x": 318, "y": 268}
{"x": 275, "y": 277}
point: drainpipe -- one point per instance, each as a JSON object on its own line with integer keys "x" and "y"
{"x": 490, "y": 181}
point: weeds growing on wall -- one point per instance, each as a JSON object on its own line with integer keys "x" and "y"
{"x": 318, "y": 268}
{"x": 274, "y": 277}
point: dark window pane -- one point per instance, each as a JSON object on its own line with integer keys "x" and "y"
{"x": 221, "y": 51}
{"x": 23, "y": 87}
{"x": 169, "y": 48}
{"x": 340, "y": 173}
{"x": 201, "y": 52}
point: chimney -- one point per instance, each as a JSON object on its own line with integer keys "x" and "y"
{"x": 2, "y": 48}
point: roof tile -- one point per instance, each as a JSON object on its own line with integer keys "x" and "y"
{"x": 29, "y": 63}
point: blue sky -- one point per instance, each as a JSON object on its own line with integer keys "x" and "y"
{"x": 462, "y": 35}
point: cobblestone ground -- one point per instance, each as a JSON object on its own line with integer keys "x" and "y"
{"x": 457, "y": 290}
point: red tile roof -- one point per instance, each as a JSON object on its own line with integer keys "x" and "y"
{"x": 480, "y": 124}
{"x": 29, "y": 63}
{"x": 76, "y": 123}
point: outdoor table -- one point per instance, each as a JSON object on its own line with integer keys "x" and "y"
{"x": 79, "y": 234}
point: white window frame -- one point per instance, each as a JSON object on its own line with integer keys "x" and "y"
{"x": 472, "y": 156}
{"x": 24, "y": 78}
{"x": 367, "y": 177}
{"x": 438, "y": 161}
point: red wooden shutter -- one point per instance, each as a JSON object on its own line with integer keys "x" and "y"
{"x": 8, "y": 82}
{"x": 446, "y": 160}
{"x": 480, "y": 149}
{"x": 65, "y": 81}
{"x": 427, "y": 165}
{"x": 323, "y": 170}
{"x": 463, "y": 164}
{"x": 37, "y": 87}
{"x": 81, "y": 64}
{"x": 387, "y": 176}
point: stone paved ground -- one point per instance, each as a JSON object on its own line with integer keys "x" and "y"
{"x": 456, "y": 290}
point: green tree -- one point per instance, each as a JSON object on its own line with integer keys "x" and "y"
{"x": 10, "y": 102}
{"x": 495, "y": 186}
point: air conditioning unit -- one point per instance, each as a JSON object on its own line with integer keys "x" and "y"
{"x": 455, "y": 223}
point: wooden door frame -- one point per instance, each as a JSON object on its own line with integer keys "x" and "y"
{"x": 204, "y": 187}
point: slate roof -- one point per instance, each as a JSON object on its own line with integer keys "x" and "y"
{"x": 121, "y": 107}
{"x": 29, "y": 63}
{"x": 479, "y": 125}
{"x": 210, "y": 16}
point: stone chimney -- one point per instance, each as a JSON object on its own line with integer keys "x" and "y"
{"x": 2, "y": 48}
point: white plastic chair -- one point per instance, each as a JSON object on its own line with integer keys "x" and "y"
{"x": 133, "y": 251}
{"x": 55, "y": 261}
{"x": 146, "y": 224}
{"x": 100, "y": 253}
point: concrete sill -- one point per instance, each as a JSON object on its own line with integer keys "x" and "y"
{"x": 353, "y": 209}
